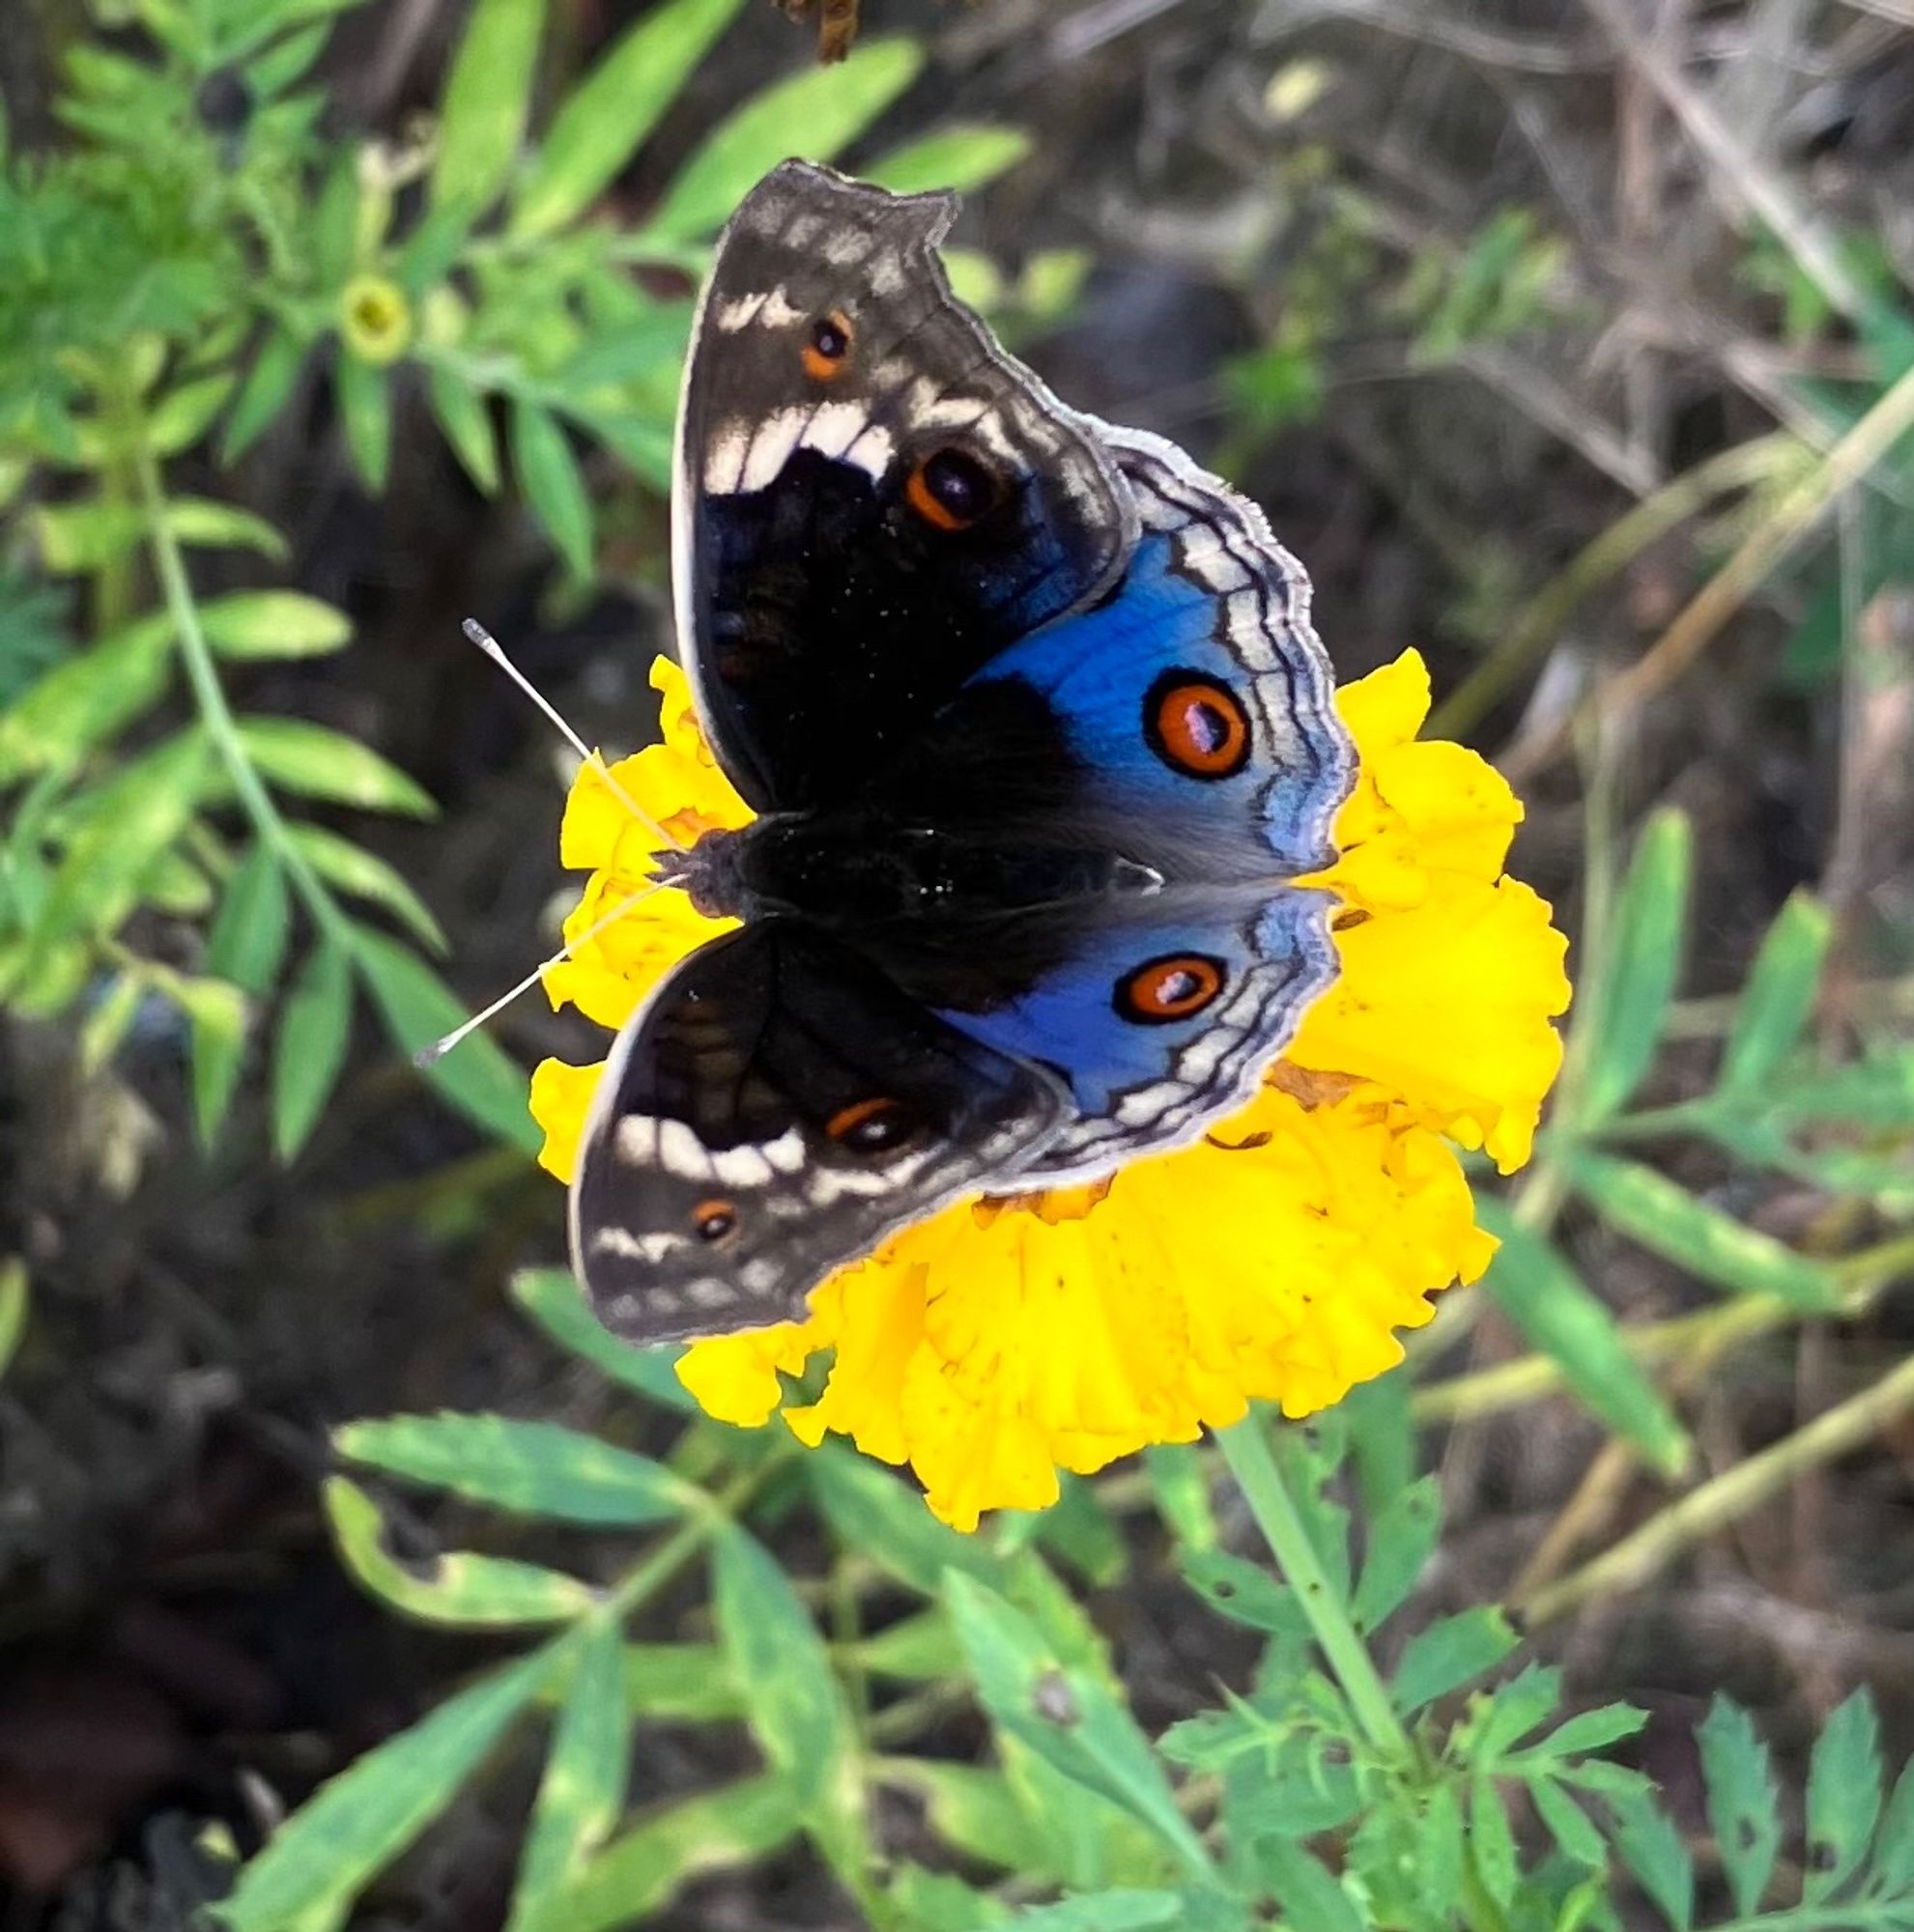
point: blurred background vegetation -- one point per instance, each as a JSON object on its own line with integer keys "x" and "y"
{"x": 1570, "y": 341}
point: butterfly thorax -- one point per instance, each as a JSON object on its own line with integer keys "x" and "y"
{"x": 855, "y": 868}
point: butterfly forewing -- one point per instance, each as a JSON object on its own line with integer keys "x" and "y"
{"x": 872, "y": 497}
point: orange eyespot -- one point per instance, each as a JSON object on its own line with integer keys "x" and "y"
{"x": 1196, "y": 724}
{"x": 1170, "y": 988}
{"x": 950, "y": 490}
{"x": 829, "y": 344}
{"x": 871, "y": 1126}
{"x": 714, "y": 1219}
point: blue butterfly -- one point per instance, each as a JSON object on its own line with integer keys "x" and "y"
{"x": 1037, "y": 733}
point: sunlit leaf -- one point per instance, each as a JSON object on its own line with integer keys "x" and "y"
{"x": 468, "y": 424}
{"x": 359, "y": 1820}
{"x": 487, "y": 95}
{"x": 268, "y": 383}
{"x": 583, "y": 1792}
{"x": 86, "y": 698}
{"x": 316, "y": 762}
{"x": 366, "y": 413}
{"x": 963, "y": 156}
{"x": 273, "y": 624}
{"x": 610, "y": 112}
{"x": 1546, "y": 1299}
{"x": 1661, "y": 1214}
{"x": 364, "y": 875}
{"x": 816, "y": 113}
{"x": 551, "y": 1298}
{"x": 461, "y": 1587}
{"x": 12, "y": 1307}
{"x": 536, "y": 1469}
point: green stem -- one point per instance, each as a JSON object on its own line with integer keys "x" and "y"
{"x": 216, "y": 714}
{"x": 1246, "y": 1450}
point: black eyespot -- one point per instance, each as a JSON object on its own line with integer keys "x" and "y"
{"x": 950, "y": 490}
{"x": 829, "y": 338}
{"x": 714, "y": 1219}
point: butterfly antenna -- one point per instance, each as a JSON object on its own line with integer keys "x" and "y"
{"x": 426, "y": 1056}
{"x": 492, "y": 649}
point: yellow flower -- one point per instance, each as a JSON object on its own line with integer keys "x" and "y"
{"x": 1001, "y": 1340}
{"x": 374, "y": 318}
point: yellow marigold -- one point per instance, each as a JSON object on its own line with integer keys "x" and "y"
{"x": 1275, "y": 1259}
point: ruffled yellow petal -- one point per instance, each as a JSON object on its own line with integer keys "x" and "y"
{"x": 560, "y": 1099}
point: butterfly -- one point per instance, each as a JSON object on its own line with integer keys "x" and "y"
{"x": 1039, "y": 737}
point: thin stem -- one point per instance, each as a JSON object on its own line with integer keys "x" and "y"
{"x": 1665, "y": 1535}
{"x": 1246, "y": 1450}
{"x": 216, "y": 714}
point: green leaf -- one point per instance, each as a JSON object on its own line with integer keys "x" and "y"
{"x": 245, "y": 947}
{"x": 1245, "y": 1592}
{"x": 583, "y": 1792}
{"x": 1568, "y": 1824}
{"x": 274, "y": 624}
{"x": 872, "y": 1511}
{"x": 1894, "y": 1855}
{"x": 78, "y": 537}
{"x": 364, "y": 875}
{"x": 1491, "y": 1842}
{"x": 12, "y": 1307}
{"x": 681, "y": 1682}
{"x": 478, "y": 1076}
{"x": 551, "y": 1298}
{"x": 1779, "y": 998}
{"x": 1668, "y": 1220}
{"x": 1447, "y": 1654}
{"x": 536, "y": 1469}
{"x": 1843, "y": 1794}
{"x": 262, "y": 394}
{"x": 366, "y": 413}
{"x": 1508, "y": 1714}
{"x": 139, "y": 814}
{"x": 1120, "y": 1910}
{"x": 796, "y": 1710}
{"x": 85, "y": 699}
{"x": 1065, "y": 1714}
{"x": 1589, "y": 1731}
{"x": 185, "y": 413}
{"x": 467, "y": 425}
{"x": 820, "y": 110}
{"x": 1743, "y": 1808}
{"x": 974, "y": 1811}
{"x": 962, "y": 156}
{"x": 1311, "y": 1900}
{"x": 636, "y": 1874}
{"x": 1653, "y": 1850}
{"x": 199, "y": 523}
{"x": 320, "y": 763}
{"x": 1402, "y": 1539}
{"x": 934, "y": 1901}
{"x": 1180, "y": 1480}
{"x": 914, "y": 1649}
{"x": 1546, "y": 1299}
{"x": 309, "y": 1049}
{"x": 548, "y": 474}
{"x": 1637, "y": 977}
{"x": 608, "y": 115}
{"x": 357, "y": 1823}
{"x": 462, "y": 1587}
{"x": 488, "y": 94}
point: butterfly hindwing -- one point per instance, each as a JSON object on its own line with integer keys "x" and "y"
{"x": 873, "y": 498}
{"x": 775, "y": 1110}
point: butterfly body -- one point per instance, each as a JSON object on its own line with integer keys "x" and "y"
{"x": 1039, "y": 739}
